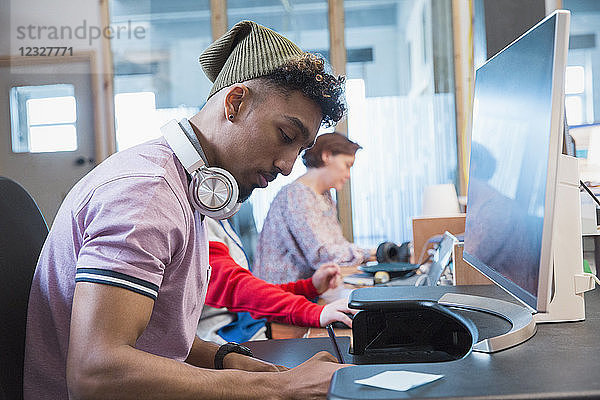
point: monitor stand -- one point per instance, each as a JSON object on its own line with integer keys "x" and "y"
{"x": 569, "y": 282}
{"x": 523, "y": 325}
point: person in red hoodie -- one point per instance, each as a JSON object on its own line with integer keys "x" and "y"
{"x": 233, "y": 286}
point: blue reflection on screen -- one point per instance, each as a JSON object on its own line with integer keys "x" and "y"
{"x": 509, "y": 161}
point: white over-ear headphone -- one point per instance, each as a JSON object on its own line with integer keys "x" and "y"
{"x": 212, "y": 191}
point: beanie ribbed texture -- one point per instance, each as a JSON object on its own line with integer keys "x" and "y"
{"x": 246, "y": 51}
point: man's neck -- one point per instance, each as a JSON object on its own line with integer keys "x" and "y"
{"x": 204, "y": 131}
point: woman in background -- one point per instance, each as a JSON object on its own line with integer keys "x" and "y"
{"x": 302, "y": 230}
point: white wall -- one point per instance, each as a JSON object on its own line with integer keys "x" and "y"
{"x": 55, "y": 13}
{"x": 18, "y": 15}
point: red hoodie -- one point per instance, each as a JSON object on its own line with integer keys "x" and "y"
{"x": 237, "y": 289}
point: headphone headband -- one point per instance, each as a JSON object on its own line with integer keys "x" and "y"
{"x": 183, "y": 148}
{"x": 189, "y": 132}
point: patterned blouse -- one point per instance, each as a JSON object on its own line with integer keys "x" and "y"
{"x": 300, "y": 233}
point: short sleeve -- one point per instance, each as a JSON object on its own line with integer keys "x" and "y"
{"x": 131, "y": 228}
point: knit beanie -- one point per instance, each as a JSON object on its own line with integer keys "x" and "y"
{"x": 246, "y": 51}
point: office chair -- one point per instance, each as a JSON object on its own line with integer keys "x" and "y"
{"x": 22, "y": 234}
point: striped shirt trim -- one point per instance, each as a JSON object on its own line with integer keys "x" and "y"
{"x": 118, "y": 279}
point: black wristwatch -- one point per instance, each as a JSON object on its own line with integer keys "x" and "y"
{"x": 227, "y": 348}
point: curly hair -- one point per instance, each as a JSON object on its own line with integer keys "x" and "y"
{"x": 309, "y": 74}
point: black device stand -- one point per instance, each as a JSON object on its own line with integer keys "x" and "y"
{"x": 448, "y": 310}
{"x": 410, "y": 331}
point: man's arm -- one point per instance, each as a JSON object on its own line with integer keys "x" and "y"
{"x": 102, "y": 361}
{"x": 203, "y": 353}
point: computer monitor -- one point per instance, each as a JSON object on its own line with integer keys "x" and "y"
{"x": 523, "y": 198}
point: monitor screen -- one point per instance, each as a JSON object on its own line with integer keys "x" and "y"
{"x": 513, "y": 165}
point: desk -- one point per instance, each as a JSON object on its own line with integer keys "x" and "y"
{"x": 560, "y": 361}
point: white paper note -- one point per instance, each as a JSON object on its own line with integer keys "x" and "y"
{"x": 398, "y": 380}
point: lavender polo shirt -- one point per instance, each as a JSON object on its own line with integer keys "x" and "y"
{"x": 128, "y": 223}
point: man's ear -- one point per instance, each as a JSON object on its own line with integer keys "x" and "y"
{"x": 234, "y": 98}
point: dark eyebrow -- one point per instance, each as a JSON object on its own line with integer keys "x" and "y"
{"x": 301, "y": 127}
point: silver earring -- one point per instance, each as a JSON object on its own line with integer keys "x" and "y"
{"x": 231, "y": 117}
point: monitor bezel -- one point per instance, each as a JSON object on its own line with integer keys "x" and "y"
{"x": 545, "y": 267}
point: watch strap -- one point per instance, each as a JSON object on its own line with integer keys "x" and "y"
{"x": 227, "y": 348}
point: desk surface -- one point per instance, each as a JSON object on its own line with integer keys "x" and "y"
{"x": 560, "y": 361}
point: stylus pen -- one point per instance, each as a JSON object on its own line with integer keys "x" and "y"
{"x": 334, "y": 342}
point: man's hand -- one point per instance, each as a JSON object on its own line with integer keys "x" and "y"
{"x": 310, "y": 380}
{"x": 245, "y": 363}
{"x": 336, "y": 311}
{"x": 326, "y": 277}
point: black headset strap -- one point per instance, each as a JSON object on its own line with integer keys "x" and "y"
{"x": 191, "y": 135}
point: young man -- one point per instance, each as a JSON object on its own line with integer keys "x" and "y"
{"x": 120, "y": 282}
{"x": 233, "y": 286}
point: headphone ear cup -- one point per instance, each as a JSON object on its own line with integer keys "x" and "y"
{"x": 404, "y": 252}
{"x": 214, "y": 192}
{"x": 232, "y": 211}
{"x": 382, "y": 253}
{"x": 389, "y": 252}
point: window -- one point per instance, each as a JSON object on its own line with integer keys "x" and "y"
{"x": 582, "y": 97}
{"x": 574, "y": 99}
{"x": 400, "y": 90}
{"x": 574, "y": 110}
{"x": 400, "y": 110}
{"x": 157, "y": 77}
{"x": 303, "y": 22}
{"x": 43, "y": 118}
{"x": 138, "y": 120}
{"x": 575, "y": 80}
{"x": 134, "y": 114}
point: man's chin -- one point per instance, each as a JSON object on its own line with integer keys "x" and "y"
{"x": 244, "y": 194}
